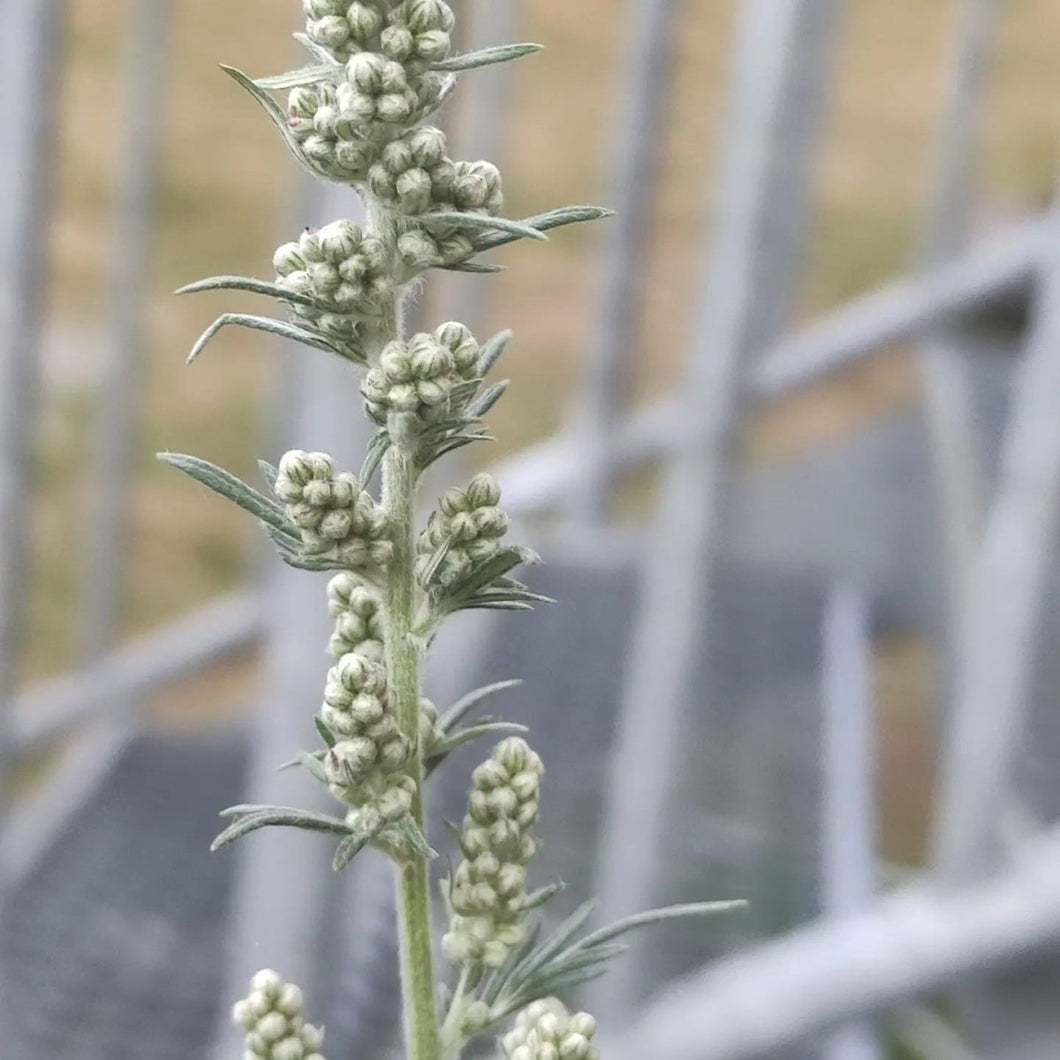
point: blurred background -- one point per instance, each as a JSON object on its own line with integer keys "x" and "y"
{"x": 784, "y": 431}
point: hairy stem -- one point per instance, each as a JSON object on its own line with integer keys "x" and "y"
{"x": 403, "y": 677}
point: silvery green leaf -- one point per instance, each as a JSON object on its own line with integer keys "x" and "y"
{"x": 463, "y": 390}
{"x": 492, "y": 350}
{"x": 536, "y": 899}
{"x": 251, "y": 818}
{"x": 482, "y": 267}
{"x": 414, "y": 838}
{"x": 441, "y": 750}
{"x": 504, "y": 561}
{"x": 275, "y": 113}
{"x": 494, "y": 985}
{"x": 273, "y": 327}
{"x": 543, "y": 222}
{"x": 268, "y": 473}
{"x": 325, "y": 733}
{"x": 373, "y": 456}
{"x": 655, "y": 916}
{"x": 307, "y": 75}
{"x": 321, "y": 54}
{"x": 556, "y": 941}
{"x": 234, "y": 489}
{"x": 486, "y": 400}
{"x": 459, "y": 219}
{"x": 311, "y": 762}
{"x": 248, "y": 283}
{"x": 506, "y": 600}
{"x": 435, "y": 562}
{"x": 347, "y": 850}
{"x": 479, "y": 604}
{"x": 465, "y": 704}
{"x": 502, "y": 53}
{"x": 291, "y": 552}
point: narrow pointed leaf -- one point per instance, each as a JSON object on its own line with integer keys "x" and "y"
{"x": 373, "y": 456}
{"x": 321, "y": 54}
{"x": 555, "y": 942}
{"x": 487, "y": 399}
{"x": 458, "y": 219}
{"x": 278, "y": 817}
{"x": 503, "y": 53}
{"x": 479, "y": 267}
{"x": 248, "y": 283}
{"x": 543, "y": 222}
{"x": 500, "y": 564}
{"x": 465, "y": 704}
{"x": 536, "y": 899}
{"x": 325, "y": 733}
{"x": 347, "y": 850}
{"x": 267, "y": 324}
{"x": 655, "y": 916}
{"x": 491, "y": 352}
{"x": 436, "y": 560}
{"x": 312, "y": 764}
{"x": 268, "y": 473}
{"x": 307, "y": 75}
{"x": 275, "y": 113}
{"x": 416, "y": 840}
{"x": 494, "y": 986}
{"x": 446, "y": 747}
{"x": 234, "y": 489}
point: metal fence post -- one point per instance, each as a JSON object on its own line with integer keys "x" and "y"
{"x": 848, "y": 831}
{"x": 947, "y": 388}
{"x": 779, "y": 68}
{"x": 109, "y": 471}
{"x": 29, "y": 49}
{"x": 1006, "y": 595}
{"x": 605, "y": 383}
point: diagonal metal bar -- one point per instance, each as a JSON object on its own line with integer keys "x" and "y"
{"x": 541, "y": 474}
{"x": 604, "y": 387}
{"x": 772, "y": 70}
{"x": 906, "y": 945}
{"x": 999, "y": 639}
{"x": 143, "y": 664}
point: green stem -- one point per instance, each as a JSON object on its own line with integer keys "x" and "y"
{"x": 403, "y": 660}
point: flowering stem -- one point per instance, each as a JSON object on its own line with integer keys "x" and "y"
{"x": 403, "y": 661}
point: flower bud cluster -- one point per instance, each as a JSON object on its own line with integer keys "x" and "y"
{"x": 414, "y": 175}
{"x": 415, "y": 32}
{"x": 271, "y": 1016}
{"x": 472, "y": 524}
{"x": 337, "y": 519}
{"x": 545, "y": 1030}
{"x": 364, "y": 766}
{"x": 487, "y": 893}
{"x": 358, "y": 618}
{"x": 344, "y": 270}
{"x": 415, "y": 376}
{"x": 384, "y": 85}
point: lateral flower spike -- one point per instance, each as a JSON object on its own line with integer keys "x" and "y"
{"x": 271, "y": 1018}
{"x": 487, "y": 892}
